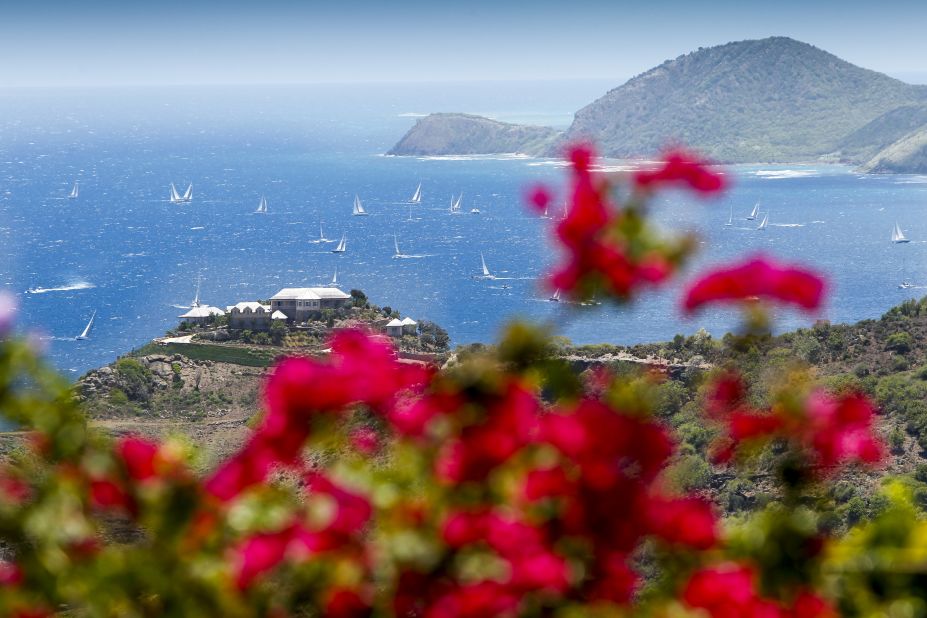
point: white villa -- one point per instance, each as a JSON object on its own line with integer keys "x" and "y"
{"x": 252, "y": 316}
{"x": 299, "y": 304}
{"x": 200, "y": 314}
{"x": 287, "y": 305}
{"x": 398, "y": 328}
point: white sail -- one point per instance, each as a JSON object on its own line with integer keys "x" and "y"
{"x": 546, "y": 214}
{"x": 754, "y": 212}
{"x": 342, "y": 245}
{"x": 764, "y": 223}
{"x": 75, "y": 191}
{"x": 486, "y": 272}
{"x": 455, "y": 204}
{"x": 196, "y": 299}
{"x": 730, "y": 218}
{"x": 175, "y": 197}
{"x": 897, "y": 235}
{"x": 262, "y": 205}
{"x": 335, "y": 278}
{"x": 188, "y": 194}
{"x": 396, "y": 244}
{"x": 86, "y": 333}
{"x": 417, "y": 196}
{"x": 556, "y": 296}
{"x": 358, "y": 207}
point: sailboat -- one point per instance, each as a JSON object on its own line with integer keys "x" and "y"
{"x": 898, "y": 236}
{"x": 75, "y": 191}
{"x": 398, "y": 253}
{"x": 754, "y": 212}
{"x": 455, "y": 204}
{"x": 555, "y": 298}
{"x": 764, "y": 223}
{"x": 358, "y": 208}
{"x": 486, "y": 273}
{"x": 730, "y": 218}
{"x": 334, "y": 278}
{"x": 86, "y": 333}
{"x": 262, "y": 206}
{"x": 177, "y": 198}
{"x": 546, "y": 214}
{"x": 196, "y": 299}
{"x": 417, "y": 196}
{"x": 342, "y": 246}
{"x": 905, "y": 283}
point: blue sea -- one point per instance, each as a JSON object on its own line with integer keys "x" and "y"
{"x": 123, "y": 250}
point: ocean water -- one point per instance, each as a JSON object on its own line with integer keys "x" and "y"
{"x": 122, "y": 250}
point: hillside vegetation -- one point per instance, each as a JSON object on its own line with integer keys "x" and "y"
{"x": 769, "y": 100}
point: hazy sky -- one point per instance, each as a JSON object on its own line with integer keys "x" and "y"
{"x": 270, "y": 41}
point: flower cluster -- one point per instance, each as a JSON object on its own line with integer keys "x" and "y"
{"x": 729, "y": 590}
{"x": 610, "y": 248}
{"x": 828, "y": 430}
{"x": 754, "y": 279}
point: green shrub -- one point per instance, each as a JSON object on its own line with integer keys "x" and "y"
{"x": 899, "y": 342}
{"x": 135, "y": 379}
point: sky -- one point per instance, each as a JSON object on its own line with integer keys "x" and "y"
{"x": 90, "y": 43}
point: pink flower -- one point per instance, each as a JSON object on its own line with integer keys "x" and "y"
{"x": 105, "y": 494}
{"x": 684, "y": 521}
{"x": 260, "y": 553}
{"x": 10, "y": 574}
{"x": 681, "y": 168}
{"x": 725, "y": 591}
{"x": 758, "y": 277}
{"x": 139, "y": 457}
{"x": 352, "y": 510}
{"x": 346, "y": 603}
{"x": 365, "y": 440}
{"x": 539, "y": 197}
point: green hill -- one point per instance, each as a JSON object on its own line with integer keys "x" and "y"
{"x": 769, "y": 100}
{"x": 774, "y": 99}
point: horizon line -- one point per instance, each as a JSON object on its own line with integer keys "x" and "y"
{"x": 188, "y": 84}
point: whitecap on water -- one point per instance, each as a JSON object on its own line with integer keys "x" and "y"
{"x": 782, "y": 174}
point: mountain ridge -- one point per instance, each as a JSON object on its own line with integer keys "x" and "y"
{"x": 767, "y": 100}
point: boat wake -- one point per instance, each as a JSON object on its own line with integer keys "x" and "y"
{"x": 77, "y": 285}
{"x": 412, "y": 257}
{"x": 787, "y": 225}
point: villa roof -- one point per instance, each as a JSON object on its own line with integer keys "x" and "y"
{"x": 394, "y": 322}
{"x": 253, "y": 306}
{"x": 202, "y": 311}
{"x": 278, "y": 315}
{"x": 407, "y": 321}
{"x": 310, "y": 294}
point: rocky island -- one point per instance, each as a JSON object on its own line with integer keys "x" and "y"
{"x": 770, "y": 100}
{"x": 465, "y": 134}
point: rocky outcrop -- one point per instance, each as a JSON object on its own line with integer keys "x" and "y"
{"x": 465, "y": 134}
